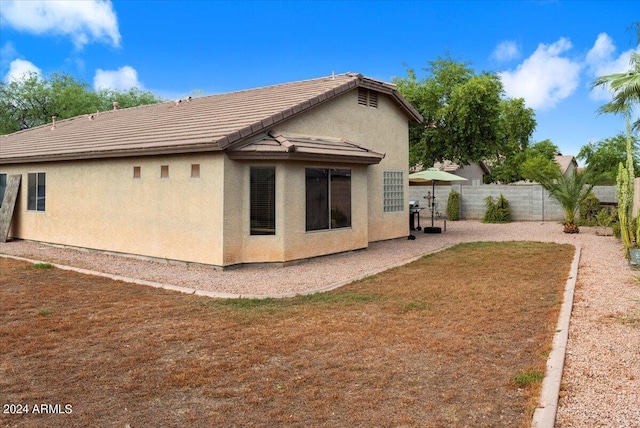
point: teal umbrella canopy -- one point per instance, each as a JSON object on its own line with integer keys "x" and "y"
{"x": 433, "y": 174}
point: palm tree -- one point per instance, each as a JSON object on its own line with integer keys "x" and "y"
{"x": 569, "y": 192}
{"x": 625, "y": 87}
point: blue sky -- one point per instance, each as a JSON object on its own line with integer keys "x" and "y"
{"x": 548, "y": 52}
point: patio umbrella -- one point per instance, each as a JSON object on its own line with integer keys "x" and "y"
{"x": 432, "y": 175}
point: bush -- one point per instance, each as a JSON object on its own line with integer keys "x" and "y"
{"x": 616, "y": 225}
{"x": 453, "y": 206}
{"x": 604, "y": 218}
{"x": 497, "y": 210}
{"x": 589, "y": 208}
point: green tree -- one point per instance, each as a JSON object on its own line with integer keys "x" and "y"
{"x": 464, "y": 115}
{"x": 525, "y": 164}
{"x": 604, "y": 156}
{"x": 32, "y": 101}
{"x": 626, "y": 97}
{"x": 625, "y": 87}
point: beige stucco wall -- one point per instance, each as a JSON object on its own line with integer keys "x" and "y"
{"x": 384, "y": 129}
{"x": 98, "y": 204}
{"x": 291, "y": 241}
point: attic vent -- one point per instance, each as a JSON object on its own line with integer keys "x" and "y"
{"x": 367, "y": 97}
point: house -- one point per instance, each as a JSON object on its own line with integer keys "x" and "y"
{"x": 568, "y": 164}
{"x": 474, "y": 172}
{"x": 268, "y": 175}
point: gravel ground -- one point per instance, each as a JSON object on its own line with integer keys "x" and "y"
{"x": 601, "y": 381}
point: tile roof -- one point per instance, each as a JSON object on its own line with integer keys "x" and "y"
{"x": 302, "y": 147}
{"x": 565, "y": 162}
{"x": 207, "y": 123}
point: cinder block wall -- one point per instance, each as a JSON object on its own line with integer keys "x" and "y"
{"x": 528, "y": 202}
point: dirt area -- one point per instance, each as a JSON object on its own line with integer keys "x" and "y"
{"x": 452, "y": 339}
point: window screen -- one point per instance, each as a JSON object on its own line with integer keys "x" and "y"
{"x": 263, "y": 200}
{"x": 36, "y": 191}
{"x": 3, "y": 186}
{"x": 328, "y": 198}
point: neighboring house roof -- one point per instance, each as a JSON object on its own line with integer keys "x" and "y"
{"x": 565, "y": 162}
{"x": 208, "y": 123}
{"x": 302, "y": 147}
{"x": 452, "y": 168}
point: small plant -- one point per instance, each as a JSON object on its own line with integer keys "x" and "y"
{"x": 497, "y": 210}
{"x": 44, "y": 312}
{"x": 589, "y": 208}
{"x": 529, "y": 377}
{"x": 42, "y": 266}
{"x": 604, "y": 218}
{"x": 453, "y": 206}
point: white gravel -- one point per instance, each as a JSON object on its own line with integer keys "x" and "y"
{"x": 601, "y": 381}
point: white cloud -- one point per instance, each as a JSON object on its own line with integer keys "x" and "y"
{"x": 545, "y": 78}
{"x": 601, "y": 60}
{"x": 506, "y": 51}
{"x": 83, "y": 21}
{"x": 7, "y": 51}
{"x": 19, "y": 68}
{"x": 121, "y": 79}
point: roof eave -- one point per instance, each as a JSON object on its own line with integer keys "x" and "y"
{"x": 169, "y": 150}
{"x": 307, "y": 157}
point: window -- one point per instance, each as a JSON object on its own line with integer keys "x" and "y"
{"x": 263, "y": 200}
{"x": 367, "y": 97}
{"x": 3, "y": 186}
{"x": 136, "y": 172}
{"x": 164, "y": 171}
{"x": 393, "y": 189}
{"x": 36, "y": 187}
{"x": 328, "y": 198}
{"x": 195, "y": 170}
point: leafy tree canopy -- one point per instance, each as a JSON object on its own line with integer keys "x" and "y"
{"x": 525, "y": 164}
{"x": 465, "y": 117}
{"x": 32, "y": 101}
{"x": 539, "y": 163}
{"x": 604, "y": 156}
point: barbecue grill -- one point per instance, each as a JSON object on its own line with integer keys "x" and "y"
{"x": 414, "y": 211}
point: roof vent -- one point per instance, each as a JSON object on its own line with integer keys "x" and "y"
{"x": 178, "y": 102}
{"x": 115, "y": 105}
{"x": 53, "y": 126}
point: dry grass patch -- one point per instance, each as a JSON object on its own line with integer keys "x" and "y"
{"x": 439, "y": 342}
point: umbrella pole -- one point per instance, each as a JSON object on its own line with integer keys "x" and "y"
{"x": 433, "y": 200}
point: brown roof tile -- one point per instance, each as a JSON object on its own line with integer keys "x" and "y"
{"x": 208, "y": 123}
{"x": 304, "y": 147}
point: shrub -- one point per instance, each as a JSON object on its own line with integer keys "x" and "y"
{"x": 604, "y": 218}
{"x": 453, "y": 206}
{"x": 589, "y": 208}
{"x": 497, "y": 210}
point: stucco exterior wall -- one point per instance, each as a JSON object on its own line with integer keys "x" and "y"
{"x": 384, "y": 129}
{"x": 99, "y": 205}
{"x": 291, "y": 241}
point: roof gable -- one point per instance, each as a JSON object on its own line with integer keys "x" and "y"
{"x": 208, "y": 123}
